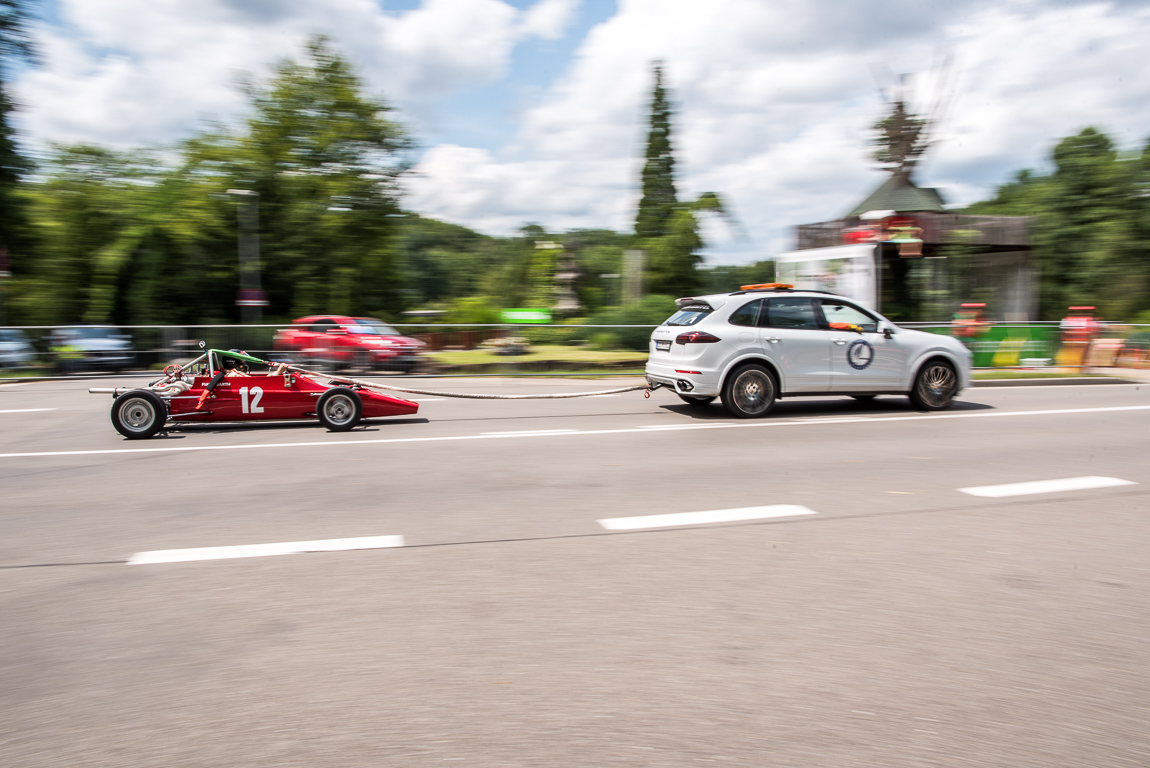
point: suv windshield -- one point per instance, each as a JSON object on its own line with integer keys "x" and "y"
{"x": 689, "y": 315}
{"x": 373, "y": 330}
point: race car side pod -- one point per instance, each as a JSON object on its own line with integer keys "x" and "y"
{"x": 470, "y": 396}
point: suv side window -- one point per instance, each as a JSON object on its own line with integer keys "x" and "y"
{"x": 792, "y": 312}
{"x": 747, "y": 315}
{"x": 837, "y": 312}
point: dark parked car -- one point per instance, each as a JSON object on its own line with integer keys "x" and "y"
{"x": 15, "y": 349}
{"x": 86, "y": 348}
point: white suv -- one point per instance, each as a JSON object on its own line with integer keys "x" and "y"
{"x": 761, "y": 343}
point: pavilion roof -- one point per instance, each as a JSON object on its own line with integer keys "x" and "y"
{"x": 898, "y": 193}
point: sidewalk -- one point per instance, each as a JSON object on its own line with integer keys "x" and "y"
{"x": 1096, "y": 376}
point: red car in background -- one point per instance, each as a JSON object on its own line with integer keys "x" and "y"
{"x": 339, "y": 341}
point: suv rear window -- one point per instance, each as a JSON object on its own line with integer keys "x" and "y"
{"x": 689, "y": 315}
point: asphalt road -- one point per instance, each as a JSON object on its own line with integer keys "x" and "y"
{"x": 899, "y": 621}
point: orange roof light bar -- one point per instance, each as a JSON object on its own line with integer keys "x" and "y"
{"x": 758, "y": 286}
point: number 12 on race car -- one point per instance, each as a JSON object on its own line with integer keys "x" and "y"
{"x": 254, "y": 406}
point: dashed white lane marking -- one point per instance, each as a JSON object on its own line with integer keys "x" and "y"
{"x": 1046, "y": 486}
{"x": 629, "y": 430}
{"x": 27, "y": 410}
{"x": 701, "y": 518}
{"x": 263, "y": 550}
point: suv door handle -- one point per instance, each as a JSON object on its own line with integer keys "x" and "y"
{"x": 774, "y": 339}
{"x": 839, "y": 341}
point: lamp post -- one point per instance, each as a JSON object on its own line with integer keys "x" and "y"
{"x": 250, "y": 299}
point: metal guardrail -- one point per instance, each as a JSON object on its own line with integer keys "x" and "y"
{"x": 148, "y": 346}
{"x": 135, "y": 347}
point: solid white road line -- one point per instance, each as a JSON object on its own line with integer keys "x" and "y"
{"x": 263, "y": 550}
{"x": 1064, "y": 386}
{"x": 530, "y": 432}
{"x": 27, "y": 410}
{"x": 702, "y": 518}
{"x": 769, "y": 424}
{"x": 1046, "y": 486}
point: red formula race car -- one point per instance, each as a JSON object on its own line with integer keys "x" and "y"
{"x": 337, "y": 341}
{"x": 218, "y": 386}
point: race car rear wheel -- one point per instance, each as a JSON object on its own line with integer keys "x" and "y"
{"x": 749, "y": 392}
{"x": 138, "y": 414}
{"x": 339, "y": 409}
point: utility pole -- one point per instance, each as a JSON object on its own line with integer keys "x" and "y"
{"x": 633, "y": 275}
{"x": 4, "y": 275}
{"x": 251, "y": 298}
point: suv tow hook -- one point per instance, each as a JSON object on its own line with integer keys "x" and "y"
{"x": 651, "y": 387}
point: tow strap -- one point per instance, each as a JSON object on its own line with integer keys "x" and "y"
{"x": 467, "y": 395}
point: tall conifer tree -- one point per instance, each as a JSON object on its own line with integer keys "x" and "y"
{"x": 659, "y": 200}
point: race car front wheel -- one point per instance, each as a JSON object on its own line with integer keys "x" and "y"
{"x": 339, "y": 409}
{"x": 138, "y": 414}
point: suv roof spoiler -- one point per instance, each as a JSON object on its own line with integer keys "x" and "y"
{"x": 690, "y": 301}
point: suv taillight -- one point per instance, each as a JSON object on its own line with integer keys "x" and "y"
{"x": 696, "y": 337}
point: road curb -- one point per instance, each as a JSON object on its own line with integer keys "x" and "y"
{"x": 1052, "y": 382}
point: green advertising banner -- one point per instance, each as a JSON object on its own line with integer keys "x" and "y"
{"x": 525, "y": 316}
{"x": 1001, "y": 346}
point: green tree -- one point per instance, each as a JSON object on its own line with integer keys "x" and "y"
{"x": 673, "y": 260}
{"x": 82, "y": 212}
{"x": 1092, "y": 226}
{"x": 325, "y": 160}
{"x": 665, "y": 228}
{"x": 659, "y": 200}
{"x": 15, "y": 45}
{"x": 722, "y": 279}
{"x": 126, "y": 239}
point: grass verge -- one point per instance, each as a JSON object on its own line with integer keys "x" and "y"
{"x": 541, "y": 354}
{"x": 1051, "y": 374}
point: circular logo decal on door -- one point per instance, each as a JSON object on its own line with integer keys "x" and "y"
{"x": 860, "y": 354}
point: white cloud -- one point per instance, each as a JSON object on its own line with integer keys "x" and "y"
{"x": 126, "y": 72}
{"x": 775, "y": 106}
{"x": 774, "y": 100}
{"x": 548, "y": 18}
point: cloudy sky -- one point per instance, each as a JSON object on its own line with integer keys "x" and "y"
{"x": 534, "y": 111}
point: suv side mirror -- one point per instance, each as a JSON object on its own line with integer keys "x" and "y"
{"x": 887, "y": 332}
